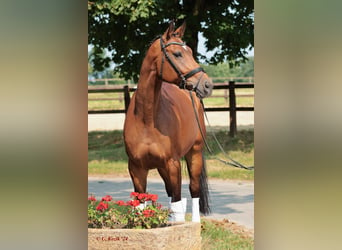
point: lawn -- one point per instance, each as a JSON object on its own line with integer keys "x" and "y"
{"x": 225, "y": 235}
{"x": 107, "y": 156}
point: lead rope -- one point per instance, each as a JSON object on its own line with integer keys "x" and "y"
{"x": 232, "y": 162}
{"x": 198, "y": 123}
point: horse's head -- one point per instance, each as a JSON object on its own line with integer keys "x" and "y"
{"x": 175, "y": 63}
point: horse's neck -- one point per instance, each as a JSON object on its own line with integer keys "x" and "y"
{"x": 147, "y": 96}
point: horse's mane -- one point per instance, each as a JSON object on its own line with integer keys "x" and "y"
{"x": 154, "y": 39}
{"x": 150, "y": 43}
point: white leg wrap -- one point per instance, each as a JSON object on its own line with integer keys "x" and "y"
{"x": 195, "y": 210}
{"x": 142, "y": 206}
{"x": 184, "y": 204}
{"x": 177, "y": 211}
{"x": 169, "y": 200}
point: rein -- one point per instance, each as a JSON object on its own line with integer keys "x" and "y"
{"x": 183, "y": 85}
{"x": 231, "y": 162}
{"x": 182, "y": 76}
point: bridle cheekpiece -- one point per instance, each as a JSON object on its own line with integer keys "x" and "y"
{"x": 182, "y": 76}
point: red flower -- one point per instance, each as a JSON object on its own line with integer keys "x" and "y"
{"x": 134, "y": 194}
{"x": 121, "y": 203}
{"x": 134, "y": 203}
{"x": 91, "y": 198}
{"x": 148, "y": 213}
{"x": 142, "y": 197}
{"x": 152, "y": 197}
{"x": 102, "y": 206}
{"x": 107, "y": 198}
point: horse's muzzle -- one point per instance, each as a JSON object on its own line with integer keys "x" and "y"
{"x": 204, "y": 88}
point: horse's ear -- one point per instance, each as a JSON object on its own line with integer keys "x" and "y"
{"x": 180, "y": 31}
{"x": 170, "y": 30}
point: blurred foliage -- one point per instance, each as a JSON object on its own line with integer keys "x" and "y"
{"x": 245, "y": 69}
{"x": 124, "y": 30}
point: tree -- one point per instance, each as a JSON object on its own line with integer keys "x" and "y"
{"x": 125, "y": 28}
{"x": 245, "y": 69}
{"x": 96, "y": 56}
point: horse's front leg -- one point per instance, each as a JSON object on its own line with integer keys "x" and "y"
{"x": 177, "y": 208}
{"x": 166, "y": 178}
{"x": 138, "y": 176}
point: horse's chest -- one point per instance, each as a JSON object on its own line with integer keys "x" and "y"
{"x": 150, "y": 154}
{"x": 148, "y": 147}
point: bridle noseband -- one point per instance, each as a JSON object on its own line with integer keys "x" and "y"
{"x": 182, "y": 76}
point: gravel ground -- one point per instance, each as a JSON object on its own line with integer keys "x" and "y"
{"x": 116, "y": 121}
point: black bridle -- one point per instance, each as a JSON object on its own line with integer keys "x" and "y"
{"x": 182, "y": 76}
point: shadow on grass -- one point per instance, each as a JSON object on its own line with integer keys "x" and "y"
{"x": 243, "y": 141}
{"x": 106, "y": 145}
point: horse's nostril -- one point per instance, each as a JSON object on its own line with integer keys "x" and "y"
{"x": 207, "y": 84}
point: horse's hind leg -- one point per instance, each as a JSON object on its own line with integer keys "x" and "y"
{"x": 198, "y": 183}
{"x": 138, "y": 176}
{"x": 194, "y": 162}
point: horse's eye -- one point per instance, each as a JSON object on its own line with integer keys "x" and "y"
{"x": 177, "y": 54}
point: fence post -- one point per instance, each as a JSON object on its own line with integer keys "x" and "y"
{"x": 232, "y": 109}
{"x": 226, "y": 96}
{"x": 127, "y": 97}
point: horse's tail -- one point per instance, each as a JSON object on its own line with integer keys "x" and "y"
{"x": 204, "y": 190}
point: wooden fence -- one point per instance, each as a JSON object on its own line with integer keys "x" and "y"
{"x": 230, "y": 86}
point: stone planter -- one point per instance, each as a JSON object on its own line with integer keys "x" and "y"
{"x": 178, "y": 236}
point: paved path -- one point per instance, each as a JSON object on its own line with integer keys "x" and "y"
{"x": 116, "y": 121}
{"x": 232, "y": 200}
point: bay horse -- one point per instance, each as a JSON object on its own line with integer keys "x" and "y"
{"x": 161, "y": 125}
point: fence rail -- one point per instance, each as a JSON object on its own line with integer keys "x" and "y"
{"x": 112, "y": 81}
{"x": 230, "y": 86}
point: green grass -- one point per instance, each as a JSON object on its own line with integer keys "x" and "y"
{"x": 241, "y": 101}
{"x": 224, "y": 235}
{"x": 107, "y": 156}
{"x": 106, "y": 153}
{"x": 118, "y": 103}
{"x": 240, "y": 148}
{"x": 216, "y": 236}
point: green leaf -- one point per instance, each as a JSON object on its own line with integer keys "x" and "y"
{"x": 231, "y": 32}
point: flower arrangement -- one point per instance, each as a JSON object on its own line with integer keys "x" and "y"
{"x": 142, "y": 211}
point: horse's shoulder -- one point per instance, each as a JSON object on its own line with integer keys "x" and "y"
{"x": 174, "y": 94}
